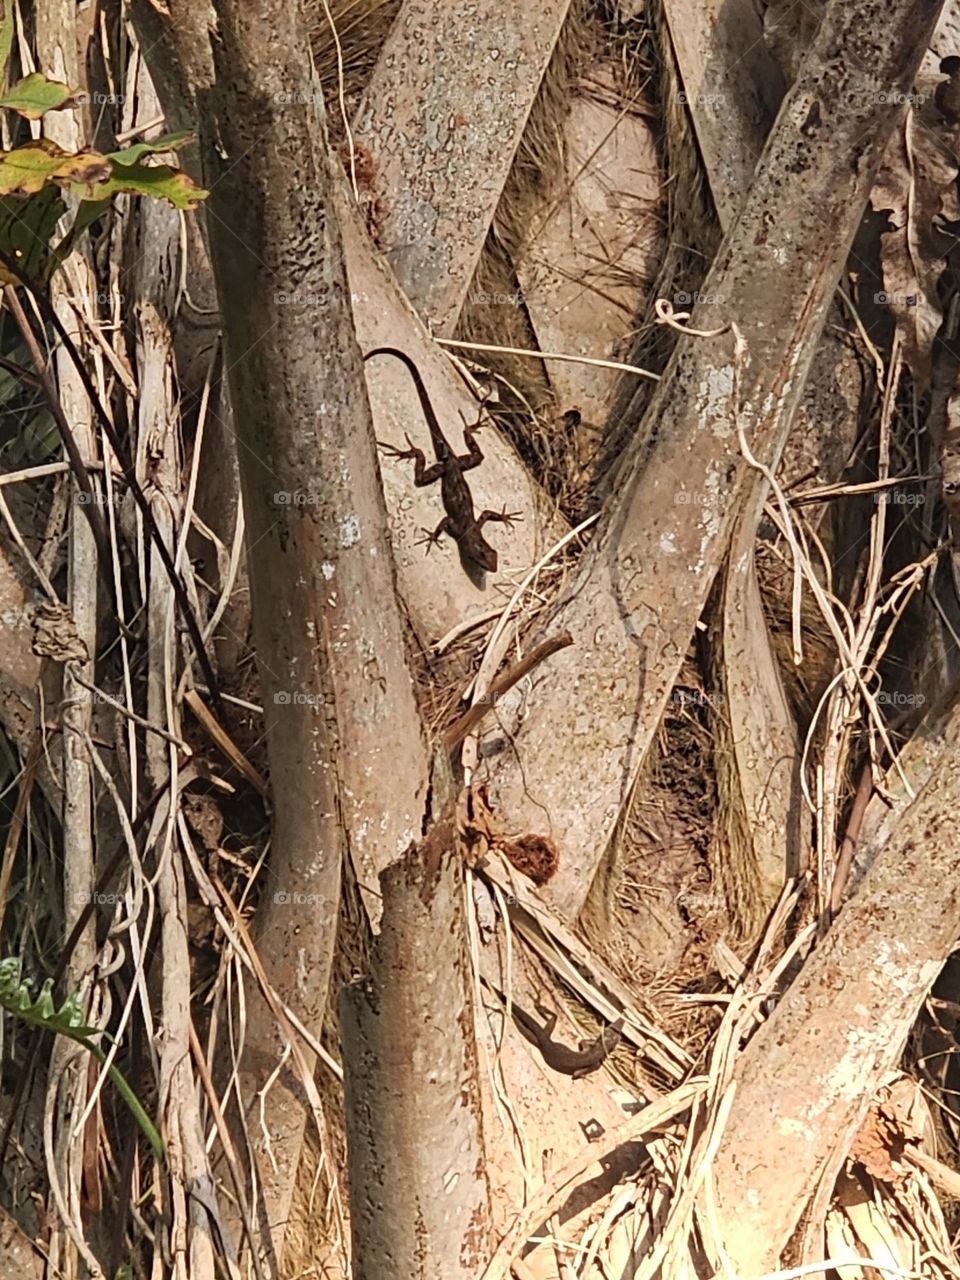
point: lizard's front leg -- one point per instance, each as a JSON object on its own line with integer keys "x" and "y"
{"x": 549, "y": 1017}
{"x": 422, "y": 474}
{"x": 474, "y": 455}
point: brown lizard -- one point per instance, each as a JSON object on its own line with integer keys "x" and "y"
{"x": 460, "y": 521}
{"x": 570, "y": 1062}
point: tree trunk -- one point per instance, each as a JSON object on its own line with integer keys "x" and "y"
{"x": 342, "y": 727}
{"x": 807, "y": 1077}
{"x": 418, "y": 1189}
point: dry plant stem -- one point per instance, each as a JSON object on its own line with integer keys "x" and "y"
{"x": 138, "y": 928}
{"x": 34, "y": 565}
{"x": 287, "y": 1024}
{"x": 80, "y": 926}
{"x": 733, "y": 88}
{"x": 414, "y": 1139}
{"x": 88, "y": 558}
{"x": 645, "y": 578}
{"x": 842, "y": 1023}
{"x": 229, "y": 1151}
{"x": 504, "y": 1104}
{"x": 471, "y": 718}
{"x": 497, "y": 642}
{"x": 60, "y": 1091}
{"x": 176, "y": 42}
{"x": 39, "y": 473}
{"x": 192, "y": 1190}
{"x": 763, "y": 779}
{"x": 618, "y": 365}
{"x": 218, "y": 735}
{"x": 132, "y": 716}
{"x": 848, "y": 846}
{"x": 109, "y": 870}
{"x": 837, "y": 728}
{"x": 120, "y": 452}
{"x": 677, "y": 1228}
{"x": 79, "y": 464}
{"x": 567, "y": 956}
{"x": 344, "y": 736}
{"x": 937, "y": 733}
{"x": 731, "y": 113}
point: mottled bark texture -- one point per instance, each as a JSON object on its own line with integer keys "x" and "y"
{"x": 807, "y": 1077}
{"x": 443, "y": 116}
{"x": 343, "y": 733}
{"x": 418, "y": 1189}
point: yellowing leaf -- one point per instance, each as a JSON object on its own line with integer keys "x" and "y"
{"x": 27, "y": 170}
{"x": 158, "y": 180}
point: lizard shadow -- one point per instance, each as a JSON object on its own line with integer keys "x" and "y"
{"x": 475, "y": 572}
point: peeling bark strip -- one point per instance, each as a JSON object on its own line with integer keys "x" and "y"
{"x": 418, "y": 1193}
{"x": 645, "y": 578}
{"x": 341, "y": 722}
{"x": 808, "y": 1076}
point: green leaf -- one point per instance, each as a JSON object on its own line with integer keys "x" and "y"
{"x": 168, "y": 142}
{"x": 68, "y": 1020}
{"x": 15, "y": 996}
{"x": 35, "y": 95}
{"x": 35, "y": 441}
{"x": 88, "y": 211}
{"x": 26, "y": 225}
